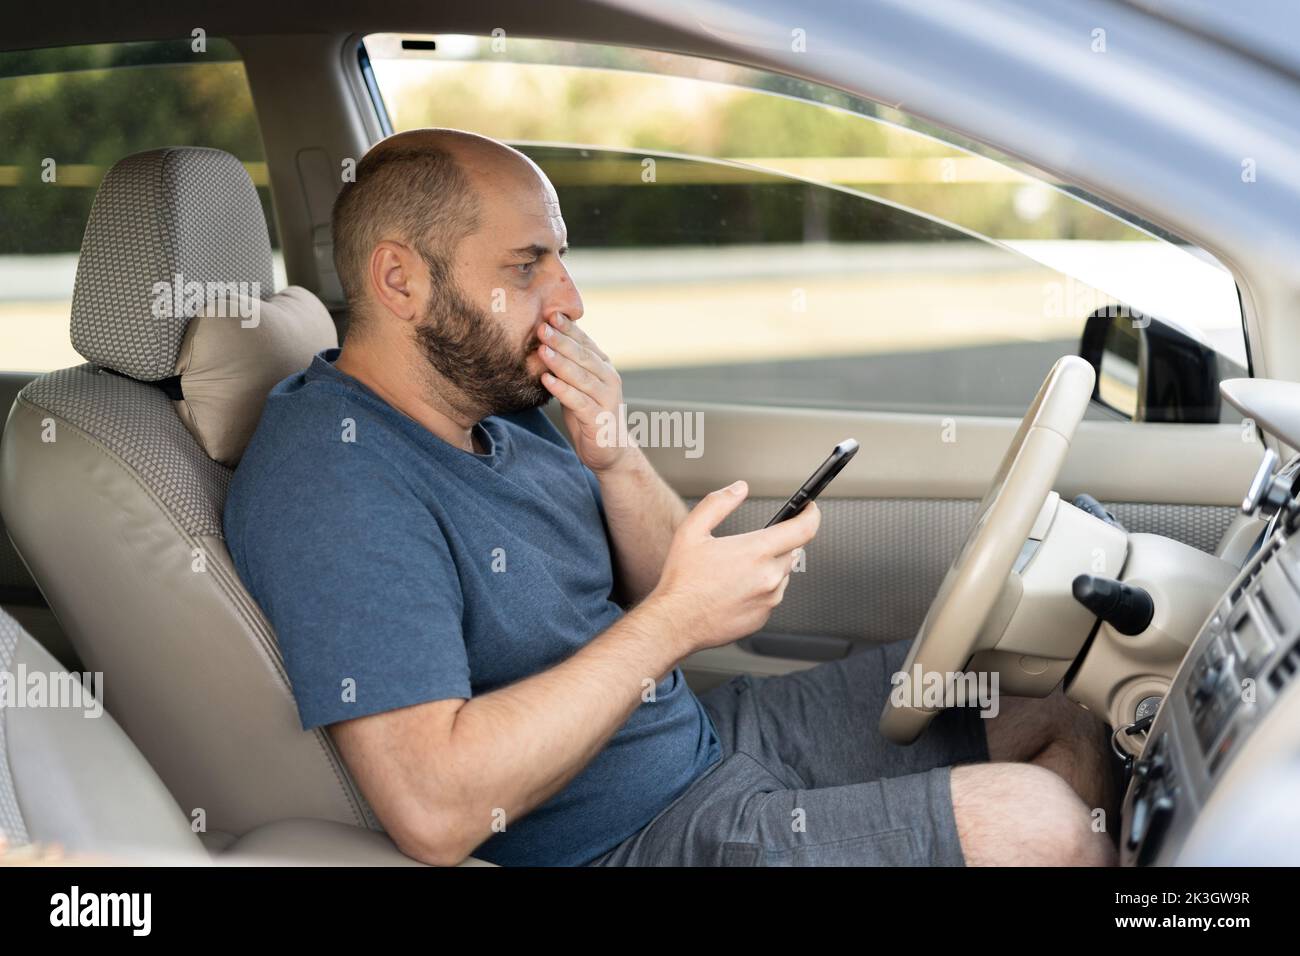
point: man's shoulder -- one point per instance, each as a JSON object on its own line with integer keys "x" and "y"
{"x": 314, "y": 442}
{"x": 305, "y": 418}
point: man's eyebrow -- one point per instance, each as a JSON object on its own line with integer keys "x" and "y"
{"x": 536, "y": 251}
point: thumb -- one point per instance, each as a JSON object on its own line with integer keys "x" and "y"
{"x": 714, "y": 507}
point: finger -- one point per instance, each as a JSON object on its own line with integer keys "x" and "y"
{"x": 574, "y": 399}
{"x": 780, "y": 591}
{"x": 576, "y": 352}
{"x": 571, "y": 372}
{"x": 780, "y": 567}
{"x": 714, "y": 507}
{"x": 574, "y": 331}
{"x": 794, "y": 533}
{"x": 571, "y": 328}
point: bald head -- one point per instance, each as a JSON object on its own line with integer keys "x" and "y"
{"x": 422, "y": 188}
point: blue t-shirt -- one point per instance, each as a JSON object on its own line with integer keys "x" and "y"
{"x": 398, "y": 569}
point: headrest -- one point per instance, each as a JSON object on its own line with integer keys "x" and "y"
{"x": 169, "y": 230}
{"x": 227, "y": 365}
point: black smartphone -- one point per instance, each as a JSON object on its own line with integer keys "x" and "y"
{"x": 817, "y": 482}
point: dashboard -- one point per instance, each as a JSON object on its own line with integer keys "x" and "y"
{"x": 1232, "y": 714}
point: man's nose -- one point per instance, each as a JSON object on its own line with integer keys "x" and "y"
{"x": 565, "y": 297}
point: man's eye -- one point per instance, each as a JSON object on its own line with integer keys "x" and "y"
{"x": 526, "y": 267}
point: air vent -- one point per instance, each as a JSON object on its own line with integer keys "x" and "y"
{"x": 1286, "y": 668}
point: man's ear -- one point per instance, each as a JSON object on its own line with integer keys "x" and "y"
{"x": 398, "y": 280}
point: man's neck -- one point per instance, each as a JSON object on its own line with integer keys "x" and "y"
{"x": 409, "y": 395}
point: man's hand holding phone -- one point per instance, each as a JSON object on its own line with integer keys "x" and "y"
{"x": 715, "y": 590}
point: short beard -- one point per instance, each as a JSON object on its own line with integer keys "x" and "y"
{"x": 471, "y": 353}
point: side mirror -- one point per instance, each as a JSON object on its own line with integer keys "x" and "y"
{"x": 1149, "y": 370}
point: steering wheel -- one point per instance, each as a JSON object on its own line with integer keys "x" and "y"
{"x": 950, "y": 633}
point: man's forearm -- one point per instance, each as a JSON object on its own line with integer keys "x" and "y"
{"x": 512, "y": 749}
{"x": 643, "y": 512}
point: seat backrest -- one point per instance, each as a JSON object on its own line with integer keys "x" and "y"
{"x": 116, "y": 509}
{"x": 68, "y": 774}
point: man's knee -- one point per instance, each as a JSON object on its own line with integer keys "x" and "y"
{"x": 1015, "y": 814}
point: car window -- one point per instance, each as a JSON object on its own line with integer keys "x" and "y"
{"x": 68, "y": 114}
{"x": 742, "y": 236}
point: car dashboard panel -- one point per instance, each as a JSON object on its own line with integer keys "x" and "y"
{"x": 1243, "y": 663}
{"x": 1235, "y": 699}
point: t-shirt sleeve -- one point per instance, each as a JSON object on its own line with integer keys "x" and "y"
{"x": 356, "y": 577}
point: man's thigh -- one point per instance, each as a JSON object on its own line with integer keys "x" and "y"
{"x": 823, "y": 723}
{"x": 741, "y": 813}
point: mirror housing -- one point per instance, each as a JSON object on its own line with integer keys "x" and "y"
{"x": 1149, "y": 370}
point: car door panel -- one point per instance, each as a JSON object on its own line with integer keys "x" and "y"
{"x": 896, "y": 516}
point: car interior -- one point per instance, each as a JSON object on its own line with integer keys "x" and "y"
{"x": 1070, "y": 470}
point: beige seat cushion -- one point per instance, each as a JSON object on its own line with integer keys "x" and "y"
{"x": 228, "y": 365}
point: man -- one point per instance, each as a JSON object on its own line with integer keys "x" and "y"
{"x": 441, "y": 569}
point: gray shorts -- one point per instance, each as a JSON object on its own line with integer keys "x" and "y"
{"x": 806, "y": 779}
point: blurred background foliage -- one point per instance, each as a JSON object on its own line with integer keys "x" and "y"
{"x": 87, "y": 107}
